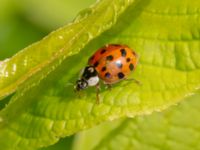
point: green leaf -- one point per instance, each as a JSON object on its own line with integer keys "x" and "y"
{"x": 62, "y": 144}
{"x": 53, "y": 49}
{"x": 165, "y": 34}
{"x": 174, "y": 129}
{"x": 85, "y": 140}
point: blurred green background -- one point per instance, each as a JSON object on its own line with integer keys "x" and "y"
{"x": 23, "y": 22}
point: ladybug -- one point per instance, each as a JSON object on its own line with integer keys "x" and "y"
{"x": 111, "y": 63}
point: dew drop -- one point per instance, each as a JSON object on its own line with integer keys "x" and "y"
{"x": 6, "y": 74}
{"x": 60, "y": 37}
{"x": 14, "y": 68}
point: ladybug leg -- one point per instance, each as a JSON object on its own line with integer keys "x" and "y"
{"x": 108, "y": 86}
{"x": 97, "y": 93}
{"x": 136, "y": 81}
{"x": 78, "y": 93}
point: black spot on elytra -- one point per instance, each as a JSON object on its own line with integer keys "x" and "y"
{"x": 120, "y": 75}
{"x": 96, "y": 64}
{"x": 103, "y": 51}
{"x": 128, "y": 59}
{"x": 103, "y": 68}
{"x": 110, "y": 57}
{"x": 134, "y": 53}
{"x": 119, "y": 64}
{"x": 131, "y": 67}
{"x": 123, "y": 52}
{"x": 91, "y": 58}
{"x": 107, "y": 75}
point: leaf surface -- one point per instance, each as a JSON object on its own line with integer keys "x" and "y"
{"x": 174, "y": 129}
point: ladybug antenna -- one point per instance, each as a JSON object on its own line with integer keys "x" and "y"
{"x": 69, "y": 84}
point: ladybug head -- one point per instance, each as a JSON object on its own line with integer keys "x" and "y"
{"x": 81, "y": 84}
{"x": 88, "y": 77}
